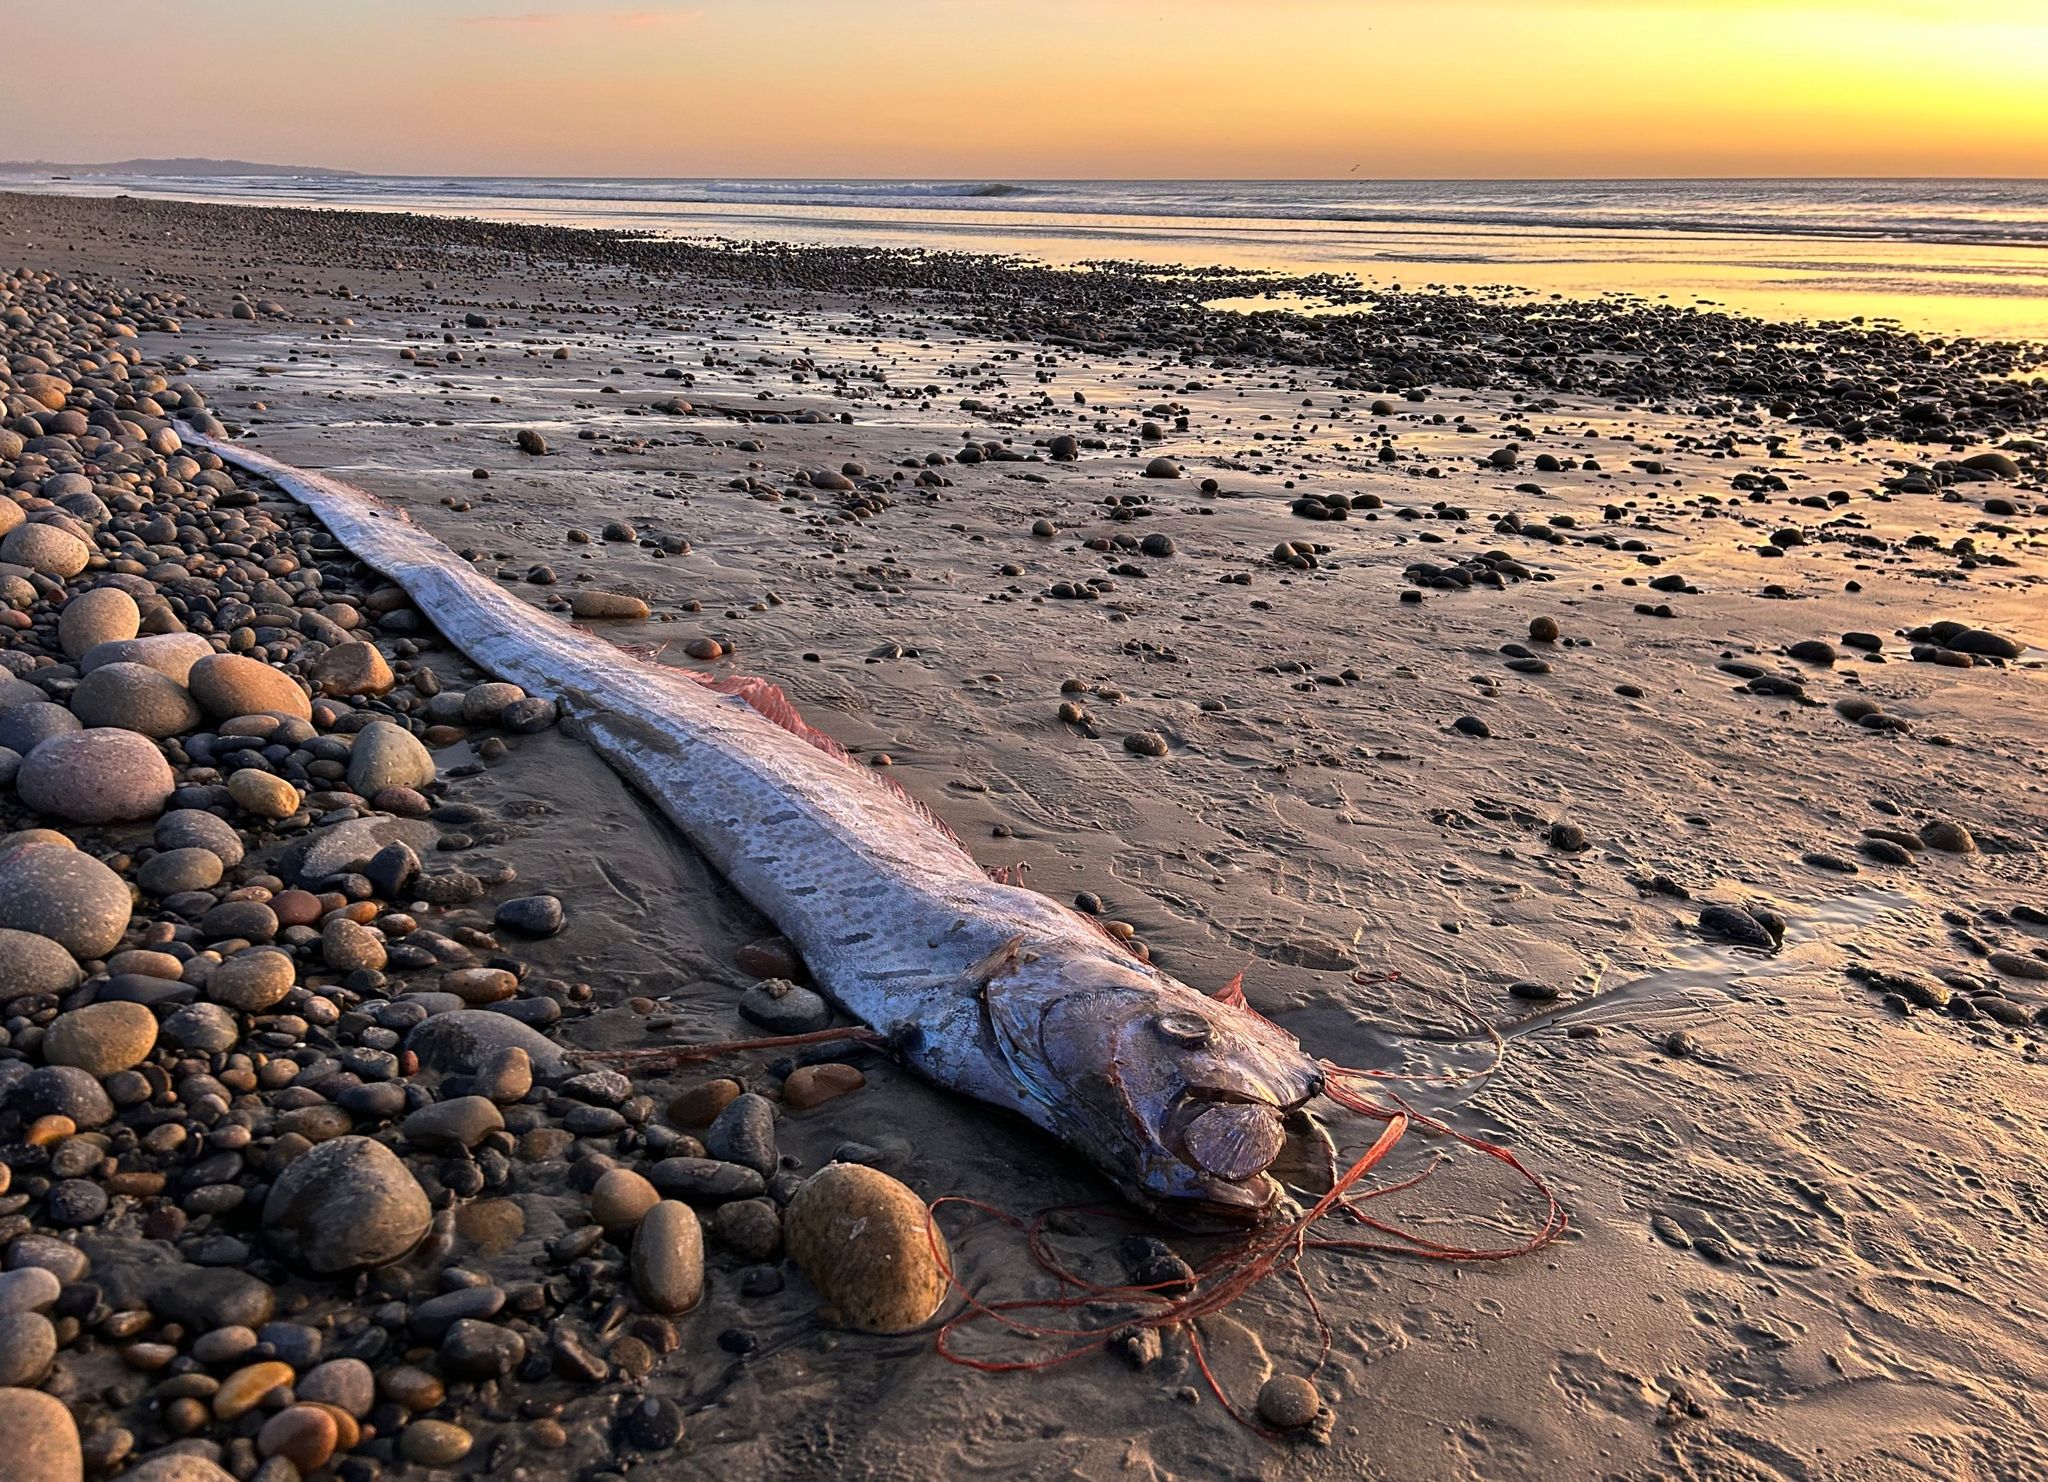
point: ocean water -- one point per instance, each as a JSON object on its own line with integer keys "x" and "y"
{"x": 1940, "y": 256}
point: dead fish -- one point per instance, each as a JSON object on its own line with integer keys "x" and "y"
{"x": 989, "y": 989}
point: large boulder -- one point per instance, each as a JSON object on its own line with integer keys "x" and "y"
{"x": 33, "y": 964}
{"x": 346, "y": 1204}
{"x": 64, "y": 895}
{"x": 171, "y": 654}
{"x": 461, "y": 1041}
{"x": 319, "y": 856}
{"x": 41, "y": 1438}
{"x": 228, "y": 685}
{"x": 103, "y": 615}
{"x": 134, "y": 697}
{"x": 102, "y": 775}
{"x": 354, "y": 668}
{"x": 47, "y": 549}
{"x": 868, "y": 1246}
{"x": 386, "y": 755}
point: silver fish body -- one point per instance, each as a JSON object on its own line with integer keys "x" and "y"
{"x": 991, "y": 990}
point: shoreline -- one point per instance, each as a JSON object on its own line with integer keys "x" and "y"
{"x": 1320, "y": 809}
{"x": 1940, "y": 257}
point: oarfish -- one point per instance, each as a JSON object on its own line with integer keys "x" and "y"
{"x": 988, "y": 989}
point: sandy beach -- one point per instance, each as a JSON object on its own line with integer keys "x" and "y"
{"x": 1661, "y": 689}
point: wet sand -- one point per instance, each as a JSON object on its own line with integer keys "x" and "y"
{"x": 1806, "y": 1229}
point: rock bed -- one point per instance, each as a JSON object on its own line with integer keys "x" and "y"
{"x": 1853, "y": 381}
{"x": 274, "y": 1081}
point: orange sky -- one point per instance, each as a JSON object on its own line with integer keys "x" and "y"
{"x": 1045, "y": 88}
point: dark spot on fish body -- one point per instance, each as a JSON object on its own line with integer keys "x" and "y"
{"x": 787, "y": 815}
{"x": 856, "y": 938}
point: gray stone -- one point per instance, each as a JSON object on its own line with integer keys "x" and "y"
{"x": 192, "y": 828}
{"x": 705, "y": 1180}
{"x": 204, "y": 1298}
{"x": 206, "y": 1027}
{"x": 101, "y": 775}
{"x": 178, "y": 870}
{"x": 481, "y": 703}
{"x": 531, "y": 915}
{"x": 744, "y": 1133}
{"x": 64, "y": 895}
{"x": 386, "y": 755}
{"x": 344, "y": 847}
{"x": 62, "y": 1091}
{"x": 478, "y": 1350}
{"x": 31, "y": 1289}
{"x": 458, "y": 1043}
{"x": 134, "y": 697}
{"x": 345, "y": 1383}
{"x": 103, "y": 615}
{"x": 28, "y": 1344}
{"x": 33, "y": 964}
{"x": 345, "y": 1204}
{"x": 47, "y": 549}
{"x": 170, "y": 654}
{"x": 461, "y": 1122}
{"x": 26, "y": 726}
{"x": 781, "y": 1007}
{"x": 172, "y": 1465}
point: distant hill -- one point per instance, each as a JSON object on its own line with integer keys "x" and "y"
{"x": 188, "y": 167}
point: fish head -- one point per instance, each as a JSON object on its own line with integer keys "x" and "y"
{"x": 1180, "y": 1098}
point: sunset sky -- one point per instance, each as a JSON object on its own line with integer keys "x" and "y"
{"x": 1051, "y": 88}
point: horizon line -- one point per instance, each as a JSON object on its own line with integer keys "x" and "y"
{"x": 44, "y": 166}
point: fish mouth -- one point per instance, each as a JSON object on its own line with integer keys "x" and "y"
{"x": 1223, "y": 1208}
{"x": 1226, "y": 1139}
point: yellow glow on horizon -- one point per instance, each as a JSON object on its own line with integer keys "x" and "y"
{"x": 1024, "y": 88}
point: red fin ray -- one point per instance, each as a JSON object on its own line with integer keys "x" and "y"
{"x": 767, "y": 700}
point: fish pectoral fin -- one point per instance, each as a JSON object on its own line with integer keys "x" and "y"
{"x": 1232, "y": 993}
{"x": 1014, "y": 1025}
{"x": 998, "y": 962}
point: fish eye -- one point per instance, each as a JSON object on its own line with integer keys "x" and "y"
{"x": 1183, "y": 1029}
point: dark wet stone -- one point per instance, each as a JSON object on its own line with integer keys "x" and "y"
{"x": 203, "y": 1299}
{"x": 478, "y": 1350}
{"x": 781, "y": 1007}
{"x": 347, "y": 1203}
{"x": 704, "y": 1180}
{"x": 655, "y": 1424}
{"x": 744, "y": 1133}
{"x": 1738, "y": 926}
{"x": 1151, "y": 1262}
{"x": 461, "y": 1041}
{"x": 62, "y": 1091}
{"x": 343, "y": 847}
{"x": 531, "y": 915}
{"x": 391, "y": 869}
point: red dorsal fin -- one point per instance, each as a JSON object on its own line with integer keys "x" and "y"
{"x": 1232, "y": 993}
{"x": 769, "y": 701}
